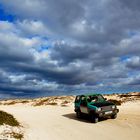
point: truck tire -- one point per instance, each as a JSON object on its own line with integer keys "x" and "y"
{"x": 94, "y": 119}
{"x": 78, "y": 114}
{"x": 114, "y": 116}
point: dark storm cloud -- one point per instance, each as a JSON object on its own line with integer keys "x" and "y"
{"x": 18, "y": 91}
{"x": 69, "y": 75}
{"x": 68, "y": 53}
{"x": 89, "y": 45}
{"x": 90, "y": 21}
{"x": 134, "y": 5}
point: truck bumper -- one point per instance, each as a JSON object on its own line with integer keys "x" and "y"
{"x": 107, "y": 113}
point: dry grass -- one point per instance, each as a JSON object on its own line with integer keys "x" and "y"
{"x": 53, "y": 100}
{"x": 47, "y": 101}
{"x": 40, "y": 102}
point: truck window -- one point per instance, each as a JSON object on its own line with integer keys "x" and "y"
{"x": 83, "y": 101}
{"x": 77, "y": 100}
{"x": 100, "y": 98}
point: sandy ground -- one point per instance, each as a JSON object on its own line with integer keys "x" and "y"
{"x": 60, "y": 123}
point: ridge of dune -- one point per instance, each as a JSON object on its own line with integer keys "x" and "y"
{"x": 68, "y": 100}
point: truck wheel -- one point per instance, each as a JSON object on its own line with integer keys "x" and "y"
{"x": 94, "y": 119}
{"x": 78, "y": 114}
{"x": 114, "y": 116}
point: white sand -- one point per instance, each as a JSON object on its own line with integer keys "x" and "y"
{"x": 60, "y": 123}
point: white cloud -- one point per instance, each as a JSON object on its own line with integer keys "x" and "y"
{"x": 17, "y": 78}
{"x": 133, "y": 62}
{"x": 33, "y": 28}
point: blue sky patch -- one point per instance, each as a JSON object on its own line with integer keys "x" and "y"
{"x": 6, "y": 17}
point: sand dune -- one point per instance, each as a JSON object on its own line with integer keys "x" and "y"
{"x": 68, "y": 100}
{"x": 60, "y": 123}
{"x": 53, "y": 118}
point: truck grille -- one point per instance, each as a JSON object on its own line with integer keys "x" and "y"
{"x": 106, "y": 108}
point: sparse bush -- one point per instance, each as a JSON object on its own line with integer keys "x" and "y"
{"x": 41, "y": 102}
{"x": 117, "y": 102}
{"x": 24, "y": 101}
{"x": 124, "y": 95}
{"x": 10, "y": 103}
{"x": 63, "y": 105}
{"x": 53, "y": 103}
{"x": 17, "y": 135}
{"x": 65, "y": 102}
{"x": 6, "y": 118}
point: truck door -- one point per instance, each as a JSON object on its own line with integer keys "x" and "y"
{"x": 83, "y": 105}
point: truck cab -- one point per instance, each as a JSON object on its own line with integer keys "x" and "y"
{"x": 96, "y": 106}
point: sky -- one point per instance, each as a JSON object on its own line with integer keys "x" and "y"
{"x": 55, "y": 47}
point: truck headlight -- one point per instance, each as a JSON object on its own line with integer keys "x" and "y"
{"x": 113, "y": 107}
{"x": 98, "y": 109}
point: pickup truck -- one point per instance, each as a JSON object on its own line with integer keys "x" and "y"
{"x": 96, "y": 106}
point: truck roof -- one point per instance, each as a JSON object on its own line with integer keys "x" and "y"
{"x": 88, "y": 94}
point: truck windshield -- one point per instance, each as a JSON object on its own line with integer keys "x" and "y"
{"x": 100, "y": 98}
{"x": 95, "y": 98}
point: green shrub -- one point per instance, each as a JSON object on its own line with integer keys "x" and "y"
{"x": 6, "y": 118}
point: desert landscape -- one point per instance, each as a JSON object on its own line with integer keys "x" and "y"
{"x": 53, "y": 50}
{"x": 53, "y": 118}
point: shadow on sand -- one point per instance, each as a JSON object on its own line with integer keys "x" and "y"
{"x": 84, "y": 118}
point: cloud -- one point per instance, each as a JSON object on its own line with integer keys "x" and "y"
{"x": 131, "y": 5}
{"x": 133, "y": 62}
{"x": 69, "y": 46}
{"x": 33, "y": 28}
{"x": 90, "y": 21}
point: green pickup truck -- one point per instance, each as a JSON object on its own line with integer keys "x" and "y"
{"x": 96, "y": 106}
